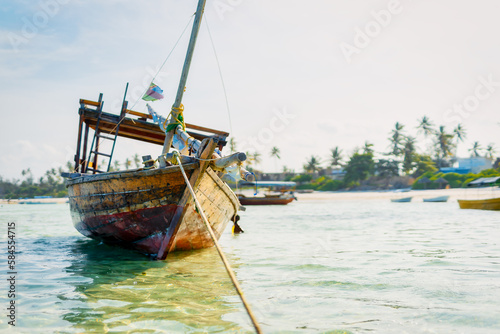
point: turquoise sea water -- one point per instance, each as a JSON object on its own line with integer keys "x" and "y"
{"x": 355, "y": 266}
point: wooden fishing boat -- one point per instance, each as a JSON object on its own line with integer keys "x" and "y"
{"x": 283, "y": 193}
{"x": 150, "y": 209}
{"x": 268, "y": 199}
{"x": 436, "y": 199}
{"x": 482, "y": 204}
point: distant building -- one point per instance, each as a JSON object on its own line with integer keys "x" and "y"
{"x": 337, "y": 173}
{"x": 469, "y": 165}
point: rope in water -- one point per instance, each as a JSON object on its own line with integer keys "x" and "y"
{"x": 219, "y": 250}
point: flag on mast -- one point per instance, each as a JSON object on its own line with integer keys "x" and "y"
{"x": 153, "y": 93}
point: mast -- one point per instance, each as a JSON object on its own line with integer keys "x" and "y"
{"x": 185, "y": 71}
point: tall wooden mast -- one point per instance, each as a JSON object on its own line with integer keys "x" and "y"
{"x": 184, "y": 75}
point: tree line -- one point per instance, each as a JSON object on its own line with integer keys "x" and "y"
{"x": 364, "y": 164}
{"x": 51, "y": 183}
{"x": 401, "y": 158}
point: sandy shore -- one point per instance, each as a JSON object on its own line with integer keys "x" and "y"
{"x": 35, "y": 201}
{"x": 417, "y": 195}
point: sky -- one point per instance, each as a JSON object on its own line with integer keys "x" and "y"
{"x": 304, "y": 76}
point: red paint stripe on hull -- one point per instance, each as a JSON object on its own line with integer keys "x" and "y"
{"x": 142, "y": 229}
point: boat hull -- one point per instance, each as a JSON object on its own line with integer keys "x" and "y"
{"x": 136, "y": 209}
{"x": 401, "y": 200}
{"x": 267, "y": 200}
{"x": 437, "y": 199}
{"x": 480, "y": 204}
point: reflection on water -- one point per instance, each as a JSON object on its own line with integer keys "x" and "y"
{"x": 125, "y": 290}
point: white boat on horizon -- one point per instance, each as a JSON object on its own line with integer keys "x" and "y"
{"x": 437, "y": 199}
{"x": 401, "y": 200}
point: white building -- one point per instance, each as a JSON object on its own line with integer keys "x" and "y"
{"x": 475, "y": 164}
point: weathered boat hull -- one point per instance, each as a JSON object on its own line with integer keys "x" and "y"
{"x": 480, "y": 204}
{"x": 143, "y": 210}
{"x": 259, "y": 200}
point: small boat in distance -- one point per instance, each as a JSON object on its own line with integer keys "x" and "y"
{"x": 482, "y": 204}
{"x": 437, "y": 199}
{"x": 401, "y": 200}
{"x": 42, "y": 200}
{"x": 283, "y": 193}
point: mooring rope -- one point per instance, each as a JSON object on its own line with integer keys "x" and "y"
{"x": 221, "y": 254}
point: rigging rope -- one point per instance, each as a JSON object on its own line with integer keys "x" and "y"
{"x": 220, "y": 74}
{"x": 144, "y": 92}
{"x": 163, "y": 64}
{"x": 219, "y": 250}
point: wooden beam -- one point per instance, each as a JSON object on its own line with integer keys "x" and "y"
{"x": 139, "y": 129}
{"x": 137, "y": 113}
{"x": 90, "y": 103}
{"x": 201, "y": 128}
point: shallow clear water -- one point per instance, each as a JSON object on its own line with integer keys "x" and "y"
{"x": 359, "y": 266}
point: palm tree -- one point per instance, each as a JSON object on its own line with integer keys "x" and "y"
{"x": 312, "y": 165}
{"x": 335, "y": 156}
{"x": 460, "y": 133}
{"x": 444, "y": 144}
{"x": 425, "y": 126}
{"x": 137, "y": 161}
{"x": 275, "y": 153}
{"x": 128, "y": 163}
{"x": 476, "y": 147}
{"x": 232, "y": 145}
{"x": 396, "y": 139}
{"x": 409, "y": 155}
{"x": 249, "y": 161}
{"x": 116, "y": 165}
{"x": 491, "y": 150}
{"x": 256, "y": 158}
{"x": 28, "y": 174}
{"x": 367, "y": 148}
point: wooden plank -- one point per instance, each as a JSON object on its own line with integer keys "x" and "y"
{"x": 140, "y": 114}
{"x": 78, "y": 143}
{"x": 201, "y": 128}
{"x": 178, "y": 218}
{"x": 135, "y": 129}
{"x": 90, "y": 103}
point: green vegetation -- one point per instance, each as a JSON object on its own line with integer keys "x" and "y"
{"x": 428, "y": 180}
{"x": 401, "y": 166}
{"x": 50, "y": 184}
